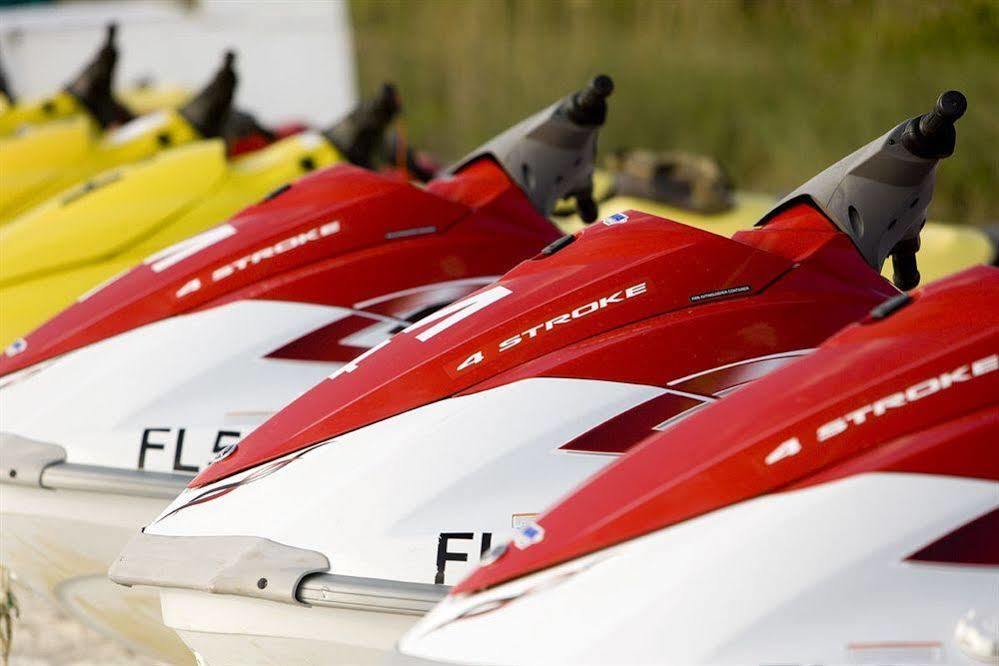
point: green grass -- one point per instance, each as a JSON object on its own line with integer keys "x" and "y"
{"x": 776, "y": 90}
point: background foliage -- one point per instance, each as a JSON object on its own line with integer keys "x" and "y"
{"x": 776, "y": 90}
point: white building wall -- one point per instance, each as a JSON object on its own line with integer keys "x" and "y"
{"x": 295, "y": 57}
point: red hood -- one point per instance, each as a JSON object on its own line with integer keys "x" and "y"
{"x": 613, "y": 277}
{"x": 939, "y": 350}
{"x": 319, "y": 218}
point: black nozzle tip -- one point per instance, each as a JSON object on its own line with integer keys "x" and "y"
{"x": 603, "y": 85}
{"x": 111, "y": 33}
{"x": 952, "y": 105}
{"x": 388, "y": 98}
{"x": 229, "y": 59}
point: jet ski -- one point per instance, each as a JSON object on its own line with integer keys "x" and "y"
{"x": 88, "y": 95}
{"x": 60, "y": 251}
{"x": 44, "y": 161}
{"x": 854, "y": 521}
{"x": 343, "y": 517}
{"x": 179, "y": 358}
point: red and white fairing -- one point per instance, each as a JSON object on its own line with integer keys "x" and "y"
{"x": 844, "y": 509}
{"x": 410, "y": 461}
{"x": 672, "y": 316}
{"x": 180, "y": 356}
{"x": 394, "y": 474}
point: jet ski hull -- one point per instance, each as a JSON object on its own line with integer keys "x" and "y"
{"x": 444, "y": 533}
{"x": 59, "y": 542}
{"x": 817, "y": 575}
{"x": 61, "y": 528}
{"x": 232, "y": 631}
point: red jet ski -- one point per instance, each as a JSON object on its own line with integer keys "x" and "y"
{"x": 467, "y": 423}
{"x": 857, "y": 492}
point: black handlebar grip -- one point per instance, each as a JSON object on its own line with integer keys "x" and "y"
{"x": 595, "y": 92}
{"x": 932, "y": 135}
{"x": 208, "y": 110}
{"x": 93, "y": 86}
{"x": 905, "y": 271}
{"x": 361, "y": 132}
{"x": 949, "y": 108}
{"x": 385, "y": 107}
{"x": 589, "y": 105}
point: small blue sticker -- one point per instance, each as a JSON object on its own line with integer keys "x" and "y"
{"x": 16, "y": 347}
{"x": 528, "y": 535}
{"x": 616, "y": 218}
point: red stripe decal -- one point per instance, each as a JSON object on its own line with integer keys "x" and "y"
{"x": 974, "y": 543}
{"x": 326, "y": 343}
{"x": 620, "y": 433}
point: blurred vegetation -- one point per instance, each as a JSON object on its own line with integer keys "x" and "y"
{"x": 776, "y": 90}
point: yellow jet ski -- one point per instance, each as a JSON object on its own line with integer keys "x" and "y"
{"x": 146, "y": 97}
{"x": 59, "y": 251}
{"x": 44, "y": 160}
{"x": 696, "y": 191}
{"x": 89, "y": 95}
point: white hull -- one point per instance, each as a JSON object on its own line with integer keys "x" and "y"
{"x": 814, "y": 576}
{"x": 384, "y": 503}
{"x": 471, "y": 464}
{"x": 226, "y": 630}
{"x": 60, "y": 543}
{"x": 203, "y": 373}
{"x": 184, "y": 385}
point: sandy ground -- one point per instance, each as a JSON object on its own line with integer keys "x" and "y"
{"x": 44, "y": 636}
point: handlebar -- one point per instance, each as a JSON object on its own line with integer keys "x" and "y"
{"x": 384, "y": 107}
{"x": 949, "y": 108}
{"x": 589, "y": 105}
{"x": 586, "y": 206}
{"x": 93, "y": 86}
{"x": 588, "y": 108}
{"x": 550, "y": 154}
{"x": 905, "y": 270}
{"x": 932, "y": 135}
{"x": 208, "y": 110}
{"x": 359, "y": 135}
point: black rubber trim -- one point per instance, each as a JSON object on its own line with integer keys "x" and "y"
{"x": 557, "y": 245}
{"x": 890, "y": 307}
{"x": 278, "y": 192}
